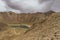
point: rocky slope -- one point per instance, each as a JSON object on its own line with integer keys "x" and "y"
{"x": 12, "y": 17}
{"x": 43, "y": 26}
{"x": 48, "y": 30}
{"x": 9, "y": 17}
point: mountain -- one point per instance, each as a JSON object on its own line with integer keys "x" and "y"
{"x": 12, "y": 17}
{"x": 31, "y": 26}
{"x": 8, "y": 17}
{"x": 49, "y": 29}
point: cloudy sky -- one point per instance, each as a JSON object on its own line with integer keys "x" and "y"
{"x": 56, "y": 5}
{"x": 29, "y": 5}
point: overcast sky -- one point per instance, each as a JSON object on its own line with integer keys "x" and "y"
{"x": 28, "y": 6}
{"x": 56, "y": 5}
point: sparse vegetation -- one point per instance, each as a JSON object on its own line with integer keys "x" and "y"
{"x": 24, "y": 26}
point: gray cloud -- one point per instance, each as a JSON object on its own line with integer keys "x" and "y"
{"x": 56, "y": 6}
{"x": 31, "y": 5}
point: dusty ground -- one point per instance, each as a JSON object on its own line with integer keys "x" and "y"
{"x": 41, "y": 27}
